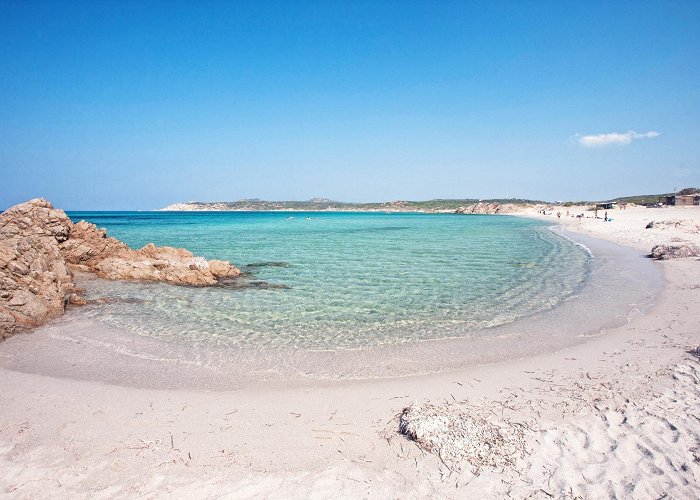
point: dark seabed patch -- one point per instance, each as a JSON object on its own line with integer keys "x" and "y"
{"x": 258, "y": 265}
{"x": 248, "y": 282}
{"x": 116, "y": 300}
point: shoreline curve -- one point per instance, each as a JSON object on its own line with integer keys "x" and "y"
{"x": 622, "y": 285}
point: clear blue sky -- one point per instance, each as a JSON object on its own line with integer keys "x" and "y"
{"x": 135, "y": 105}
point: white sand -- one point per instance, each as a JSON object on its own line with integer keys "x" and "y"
{"x": 628, "y": 226}
{"x": 615, "y": 416}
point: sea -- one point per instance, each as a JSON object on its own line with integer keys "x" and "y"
{"x": 339, "y": 280}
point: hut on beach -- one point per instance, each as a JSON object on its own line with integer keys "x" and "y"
{"x": 681, "y": 199}
{"x": 606, "y": 205}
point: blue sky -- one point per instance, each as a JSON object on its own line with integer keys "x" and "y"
{"x": 135, "y": 105}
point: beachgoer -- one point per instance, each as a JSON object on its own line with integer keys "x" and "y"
{"x": 606, "y": 216}
{"x": 558, "y": 215}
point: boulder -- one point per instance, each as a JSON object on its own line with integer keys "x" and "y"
{"x": 674, "y": 251}
{"x": 35, "y": 281}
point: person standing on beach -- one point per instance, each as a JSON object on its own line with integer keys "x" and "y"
{"x": 558, "y": 215}
{"x": 606, "y": 216}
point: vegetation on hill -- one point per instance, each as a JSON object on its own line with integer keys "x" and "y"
{"x": 639, "y": 199}
{"x": 436, "y": 205}
{"x": 642, "y": 199}
{"x": 317, "y": 204}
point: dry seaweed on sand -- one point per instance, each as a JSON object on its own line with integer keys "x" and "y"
{"x": 456, "y": 434}
{"x": 695, "y": 352}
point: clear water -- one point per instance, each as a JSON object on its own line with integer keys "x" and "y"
{"x": 324, "y": 281}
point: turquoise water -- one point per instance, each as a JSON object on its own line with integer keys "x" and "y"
{"x": 340, "y": 280}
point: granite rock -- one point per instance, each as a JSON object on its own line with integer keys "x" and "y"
{"x": 40, "y": 247}
{"x": 90, "y": 249}
{"x": 35, "y": 281}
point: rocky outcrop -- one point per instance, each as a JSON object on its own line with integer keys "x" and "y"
{"x": 485, "y": 208}
{"x": 674, "y": 251}
{"x": 40, "y": 246}
{"x": 90, "y": 249}
{"x": 35, "y": 281}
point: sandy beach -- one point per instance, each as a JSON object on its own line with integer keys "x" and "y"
{"x": 612, "y": 416}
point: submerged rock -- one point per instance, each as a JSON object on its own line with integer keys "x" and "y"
{"x": 40, "y": 246}
{"x": 257, "y": 265}
{"x": 245, "y": 283}
{"x": 674, "y": 251}
{"x": 116, "y": 300}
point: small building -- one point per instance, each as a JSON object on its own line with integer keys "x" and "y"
{"x": 681, "y": 199}
{"x": 668, "y": 200}
{"x": 606, "y": 205}
{"x": 688, "y": 199}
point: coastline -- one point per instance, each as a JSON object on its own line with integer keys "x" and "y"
{"x": 324, "y": 438}
{"x": 607, "y": 299}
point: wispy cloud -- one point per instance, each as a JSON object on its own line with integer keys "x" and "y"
{"x": 613, "y": 138}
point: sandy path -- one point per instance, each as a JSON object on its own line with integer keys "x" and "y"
{"x": 615, "y": 416}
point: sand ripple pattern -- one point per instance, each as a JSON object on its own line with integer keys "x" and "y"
{"x": 596, "y": 440}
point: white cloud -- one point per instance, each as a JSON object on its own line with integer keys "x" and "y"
{"x": 613, "y": 138}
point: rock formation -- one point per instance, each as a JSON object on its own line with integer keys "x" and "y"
{"x": 39, "y": 246}
{"x": 90, "y": 249}
{"x": 35, "y": 281}
{"x": 674, "y": 251}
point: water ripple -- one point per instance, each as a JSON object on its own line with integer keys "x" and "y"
{"x": 343, "y": 280}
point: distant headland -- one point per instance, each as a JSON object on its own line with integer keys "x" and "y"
{"x": 324, "y": 204}
{"x": 440, "y": 205}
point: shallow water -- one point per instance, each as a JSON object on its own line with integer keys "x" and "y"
{"x": 122, "y": 341}
{"x": 324, "y": 281}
